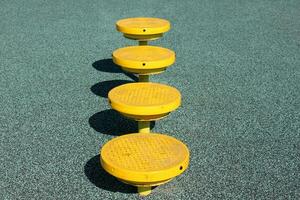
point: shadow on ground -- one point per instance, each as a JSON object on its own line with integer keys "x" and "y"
{"x": 111, "y": 122}
{"x": 100, "y": 178}
{"x": 102, "y": 88}
{"x": 107, "y": 65}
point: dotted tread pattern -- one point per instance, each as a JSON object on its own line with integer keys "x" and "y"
{"x": 143, "y": 53}
{"x": 144, "y": 152}
{"x": 144, "y": 94}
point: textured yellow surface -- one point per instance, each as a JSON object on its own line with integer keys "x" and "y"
{"x": 144, "y": 98}
{"x": 143, "y": 58}
{"x": 143, "y": 26}
{"x": 144, "y": 157}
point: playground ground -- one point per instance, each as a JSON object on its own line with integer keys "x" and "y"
{"x": 237, "y": 67}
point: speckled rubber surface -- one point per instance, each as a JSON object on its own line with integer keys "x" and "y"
{"x": 237, "y": 68}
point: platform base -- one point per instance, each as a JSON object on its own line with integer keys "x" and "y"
{"x": 144, "y": 191}
{"x": 144, "y": 72}
{"x": 143, "y": 42}
{"x": 144, "y": 126}
{"x": 143, "y": 37}
{"x": 145, "y": 118}
{"x": 143, "y": 78}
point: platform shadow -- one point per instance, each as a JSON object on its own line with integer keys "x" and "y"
{"x": 101, "y": 179}
{"x": 102, "y": 88}
{"x": 111, "y": 122}
{"x": 107, "y": 65}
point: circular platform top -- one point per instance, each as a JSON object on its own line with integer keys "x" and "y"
{"x": 144, "y": 157}
{"x": 143, "y": 26}
{"x": 143, "y": 57}
{"x": 144, "y": 98}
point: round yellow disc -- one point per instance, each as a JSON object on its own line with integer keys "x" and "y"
{"x": 143, "y": 158}
{"x": 144, "y": 98}
{"x": 143, "y": 59}
{"x": 143, "y": 26}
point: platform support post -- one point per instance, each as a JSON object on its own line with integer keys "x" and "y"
{"x": 144, "y": 191}
{"x": 143, "y": 43}
{"x": 143, "y": 78}
{"x": 144, "y": 126}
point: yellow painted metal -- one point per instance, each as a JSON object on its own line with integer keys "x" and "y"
{"x": 145, "y": 184}
{"x": 144, "y": 100}
{"x": 143, "y": 37}
{"x": 143, "y": 78}
{"x": 144, "y": 126}
{"x": 143, "y": 159}
{"x": 144, "y": 191}
{"x": 144, "y": 71}
{"x": 144, "y": 59}
{"x": 143, "y": 28}
{"x": 145, "y": 117}
{"x": 143, "y": 43}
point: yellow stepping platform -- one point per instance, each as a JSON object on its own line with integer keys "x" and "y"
{"x": 144, "y": 160}
{"x": 144, "y": 60}
{"x": 143, "y": 28}
{"x": 144, "y": 101}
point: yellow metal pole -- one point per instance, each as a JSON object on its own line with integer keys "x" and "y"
{"x": 141, "y": 43}
{"x": 144, "y": 126}
{"x": 143, "y": 78}
{"x": 144, "y": 191}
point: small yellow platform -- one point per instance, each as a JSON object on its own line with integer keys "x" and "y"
{"x": 143, "y": 28}
{"x": 144, "y": 101}
{"x": 144, "y": 60}
{"x": 144, "y": 160}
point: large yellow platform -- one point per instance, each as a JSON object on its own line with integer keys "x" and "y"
{"x": 144, "y": 59}
{"x": 144, "y": 101}
{"x": 144, "y": 160}
{"x": 143, "y": 28}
